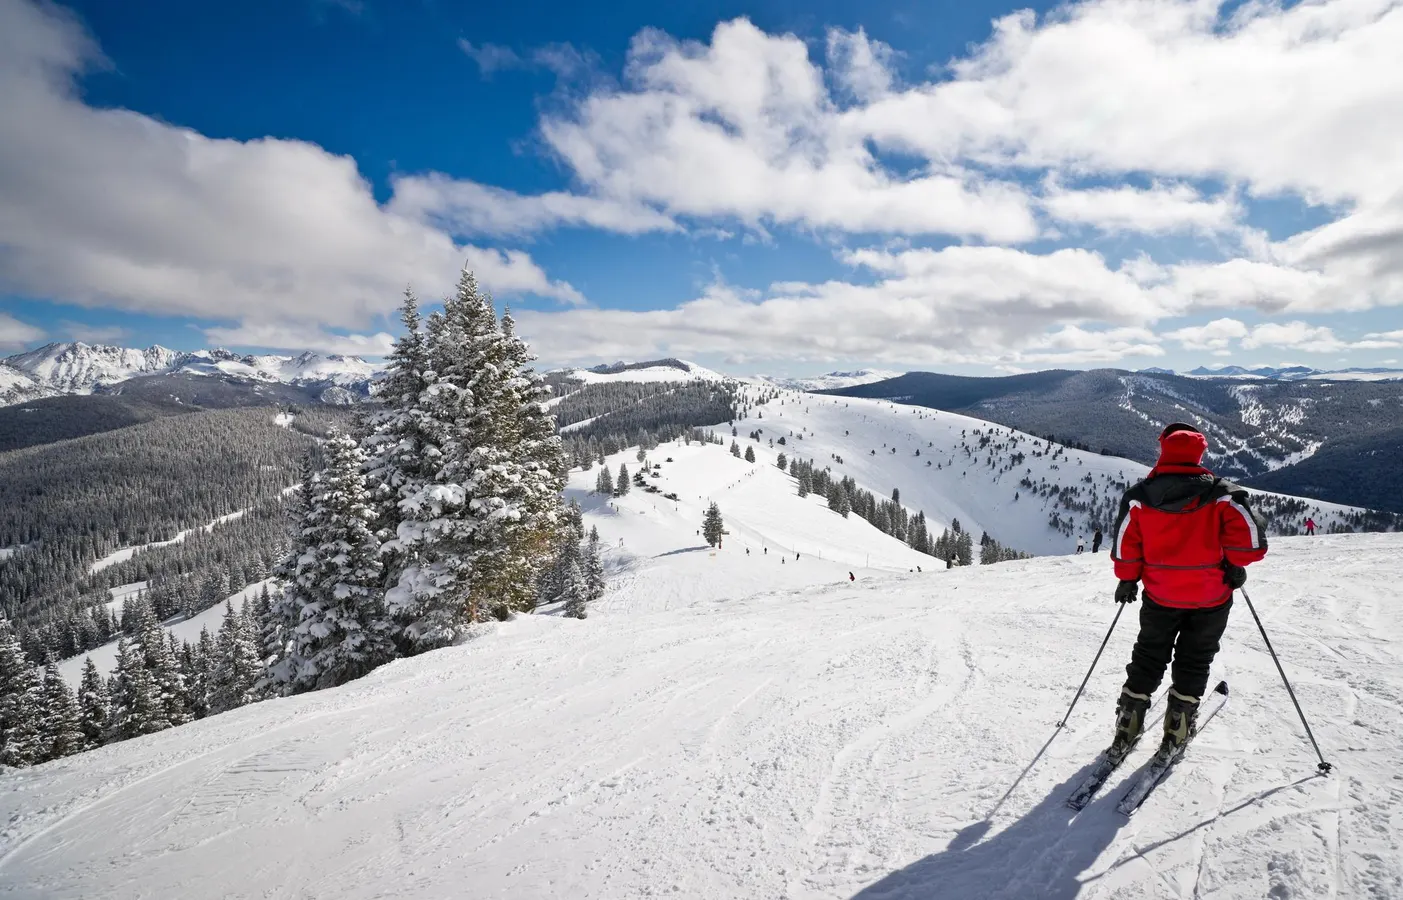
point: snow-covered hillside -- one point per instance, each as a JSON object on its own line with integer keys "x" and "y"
{"x": 968, "y": 469}
{"x": 891, "y": 738}
{"x": 78, "y": 367}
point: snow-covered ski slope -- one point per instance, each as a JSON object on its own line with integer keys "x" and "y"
{"x": 891, "y": 738}
{"x": 963, "y": 480}
{"x": 657, "y": 559}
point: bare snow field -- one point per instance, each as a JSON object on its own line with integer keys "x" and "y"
{"x": 892, "y": 737}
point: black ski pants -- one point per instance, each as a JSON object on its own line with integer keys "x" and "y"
{"x": 1189, "y": 636}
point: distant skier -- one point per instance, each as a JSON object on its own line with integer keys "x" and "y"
{"x": 1188, "y": 535}
{"x": 1096, "y": 542}
{"x": 1310, "y": 526}
{"x": 1081, "y": 545}
{"x": 852, "y": 577}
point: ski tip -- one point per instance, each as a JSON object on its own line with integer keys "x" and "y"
{"x": 1222, "y": 688}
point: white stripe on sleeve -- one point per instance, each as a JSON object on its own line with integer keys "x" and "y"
{"x": 1246, "y": 517}
{"x": 1120, "y": 535}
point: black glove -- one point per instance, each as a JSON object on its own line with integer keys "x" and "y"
{"x": 1126, "y": 592}
{"x": 1234, "y": 576}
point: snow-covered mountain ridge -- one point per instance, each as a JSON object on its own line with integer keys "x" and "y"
{"x": 893, "y": 737}
{"x": 79, "y": 368}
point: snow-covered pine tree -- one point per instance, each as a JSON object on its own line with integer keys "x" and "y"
{"x": 735, "y": 448}
{"x": 478, "y": 528}
{"x": 161, "y": 662}
{"x": 137, "y": 706}
{"x": 93, "y": 705}
{"x": 749, "y": 454}
{"x": 604, "y": 484}
{"x": 235, "y": 671}
{"x": 62, "y": 728}
{"x": 335, "y": 621}
{"x": 392, "y": 434}
{"x": 782, "y": 462}
{"x": 202, "y": 662}
{"x": 593, "y": 567}
{"x": 21, "y": 737}
{"x": 622, "y": 486}
{"x": 713, "y": 527}
{"x": 575, "y": 590}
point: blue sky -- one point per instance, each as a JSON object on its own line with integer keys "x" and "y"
{"x": 787, "y": 187}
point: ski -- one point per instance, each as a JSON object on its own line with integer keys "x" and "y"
{"x": 1106, "y": 765}
{"x": 1165, "y": 759}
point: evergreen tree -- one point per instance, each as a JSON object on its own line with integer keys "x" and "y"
{"x": 783, "y": 462}
{"x": 235, "y": 670}
{"x": 749, "y": 454}
{"x": 334, "y": 618}
{"x": 93, "y": 705}
{"x": 712, "y": 525}
{"x": 593, "y": 567}
{"x": 161, "y": 663}
{"x": 202, "y": 661}
{"x": 21, "y": 698}
{"x": 480, "y": 523}
{"x": 735, "y": 449}
{"x": 62, "y": 728}
{"x": 575, "y": 590}
{"x": 137, "y": 706}
{"x": 604, "y": 484}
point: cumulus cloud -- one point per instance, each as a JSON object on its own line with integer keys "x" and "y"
{"x": 1216, "y": 335}
{"x": 959, "y": 305}
{"x": 15, "y": 334}
{"x": 300, "y": 337}
{"x": 106, "y": 207}
{"x": 1160, "y": 209}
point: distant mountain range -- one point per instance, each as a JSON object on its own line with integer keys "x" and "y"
{"x": 1288, "y": 373}
{"x": 79, "y": 368}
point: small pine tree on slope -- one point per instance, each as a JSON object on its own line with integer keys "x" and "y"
{"x": 331, "y": 609}
{"x": 593, "y": 568}
{"x": 235, "y": 671}
{"x": 712, "y": 525}
{"x": 575, "y": 590}
{"x": 622, "y": 486}
{"x": 137, "y": 707}
{"x": 94, "y": 705}
{"x": 62, "y": 728}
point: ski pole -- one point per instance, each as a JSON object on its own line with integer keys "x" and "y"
{"x": 1324, "y": 767}
{"x": 1120, "y": 608}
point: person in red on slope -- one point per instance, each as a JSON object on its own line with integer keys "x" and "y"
{"x": 1187, "y": 536}
{"x": 1310, "y": 526}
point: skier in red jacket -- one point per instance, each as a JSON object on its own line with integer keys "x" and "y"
{"x": 1187, "y": 535}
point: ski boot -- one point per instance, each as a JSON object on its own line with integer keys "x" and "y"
{"x": 1180, "y": 721}
{"x": 1130, "y": 721}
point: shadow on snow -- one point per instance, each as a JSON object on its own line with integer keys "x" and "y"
{"x": 1041, "y": 855}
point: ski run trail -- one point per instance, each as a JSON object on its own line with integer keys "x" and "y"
{"x": 756, "y": 725}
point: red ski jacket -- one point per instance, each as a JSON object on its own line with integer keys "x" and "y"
{"x": 1178, "y": 526}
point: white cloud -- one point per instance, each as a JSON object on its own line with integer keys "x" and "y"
{"x": 1160, "y": 209}
{"x": 15, "y": 335}
{"x": 859, "y": 65}
{"x": 959, "y": 305}
{"x": 1309, "y": 338}
{"x": 309, "y": 337}
{"x": 1217, "y": 335}
{"x": 491, "y": 58}
{"x": 105, "y": 207}
{"x": 467, "y": 207}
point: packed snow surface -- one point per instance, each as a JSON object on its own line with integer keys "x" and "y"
{"x": 832, "y": 380}
{"x": 662, "y": 371}
{"x": 892, "y": 737}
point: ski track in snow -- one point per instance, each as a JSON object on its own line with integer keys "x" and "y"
{"x": 889, "y": 739}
